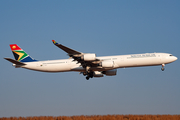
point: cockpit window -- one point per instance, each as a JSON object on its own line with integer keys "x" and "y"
{"x": 170, "y": 55}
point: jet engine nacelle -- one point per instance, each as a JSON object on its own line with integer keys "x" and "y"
{"x": 89, "y": 57}
{"x": 98, "y": 74}
{"x": 110, "y": 72}
{"x": 107, "y": 64}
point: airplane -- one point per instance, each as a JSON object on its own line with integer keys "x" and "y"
{"x": 87, "y": 63}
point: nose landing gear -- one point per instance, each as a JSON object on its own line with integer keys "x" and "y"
{"x": 163, "y": 67}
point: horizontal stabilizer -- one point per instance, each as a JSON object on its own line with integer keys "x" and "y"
{"x": 66, "y": 49}
{"x": 14, "y": 61}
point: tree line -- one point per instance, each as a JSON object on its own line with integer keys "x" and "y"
{"x": 99, "y": 117}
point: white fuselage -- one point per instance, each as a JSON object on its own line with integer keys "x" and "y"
{"x": 120, "y": 61}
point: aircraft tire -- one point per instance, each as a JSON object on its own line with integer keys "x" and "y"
{"x": 87, "y": 78}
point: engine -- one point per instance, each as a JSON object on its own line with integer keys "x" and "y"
{"x": 110, "y": 72}
{"x": 98, "y": 74}
{"x": 89, "y": 57}
{"x": 107, "y": 64}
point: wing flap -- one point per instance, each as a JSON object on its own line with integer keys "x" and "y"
{"x": 14, "y": 61}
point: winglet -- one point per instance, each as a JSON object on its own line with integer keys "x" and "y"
{"x": 54, "y": 42}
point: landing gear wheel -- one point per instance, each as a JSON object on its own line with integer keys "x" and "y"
{"x": 91, "y": 75}
{"x": 87, "y": 78}
{"x": 163, "y": 67}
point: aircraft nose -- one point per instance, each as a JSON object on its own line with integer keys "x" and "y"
{"x": 172, "y": 58}
{"x": 175, "y": 58}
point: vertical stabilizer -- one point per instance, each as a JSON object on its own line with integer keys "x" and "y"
{"x": 20, "y": 55}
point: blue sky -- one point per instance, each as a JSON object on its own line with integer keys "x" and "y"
{"x": 103, "y": 27}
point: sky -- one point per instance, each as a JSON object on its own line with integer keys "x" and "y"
{"x": 104, "y": 27}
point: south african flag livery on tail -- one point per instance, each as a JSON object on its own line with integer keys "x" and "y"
{"x": 20, "y": 55}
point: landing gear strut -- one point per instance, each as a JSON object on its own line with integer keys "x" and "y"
{"x": 163, "y": 67}
{"x": 88, "y": 72}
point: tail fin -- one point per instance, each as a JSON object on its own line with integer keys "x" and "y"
{"x": 20, "y": 55}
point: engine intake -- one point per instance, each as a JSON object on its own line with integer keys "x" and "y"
{"x": 98, "y": 74}
{"x": 89, "y": 57}
{"x": 107, "y": 64}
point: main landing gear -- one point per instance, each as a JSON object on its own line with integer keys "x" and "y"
{"x": 88, "y": 73}
{"x": 163, "y": 67}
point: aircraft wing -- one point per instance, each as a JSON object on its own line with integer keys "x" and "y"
{"x": 66, "y": 49}
{"x": 78, "y": 56}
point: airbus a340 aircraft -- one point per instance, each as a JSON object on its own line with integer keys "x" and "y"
{"x": 87, "y": 63}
